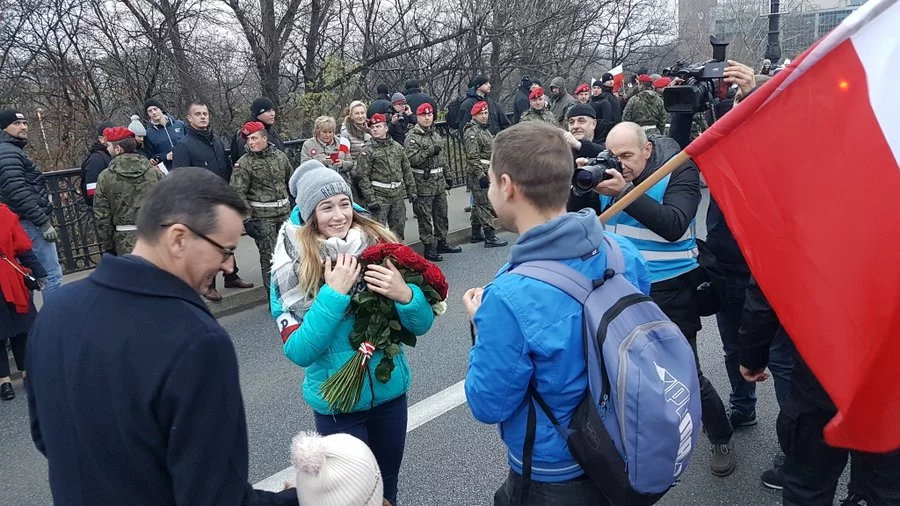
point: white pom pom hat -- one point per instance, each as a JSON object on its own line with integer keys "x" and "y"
{"x": 335, "y": 470}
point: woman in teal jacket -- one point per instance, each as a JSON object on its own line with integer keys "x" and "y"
{"x": 314, "y": 274}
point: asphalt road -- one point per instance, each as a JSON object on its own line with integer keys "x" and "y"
{"x": 450, "y": 460}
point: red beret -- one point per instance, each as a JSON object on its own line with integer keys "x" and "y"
{"x": 644, "y": 78}
{"x": 377, "y": 118}
{"x": 536, "y": 93}
{"x": 584, "y": 88}
{"x": 118, "y": 133}
{"x": 662, "y": 82}
{"x": 251, "y": 127}
{"x": 425, "y": 108}
{"x": 479, "y": 106}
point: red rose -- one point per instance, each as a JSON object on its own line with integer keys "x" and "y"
{"x": 435, "y": 278}
{"x": 406, "y": 257}
{"x": 377, "y": 252}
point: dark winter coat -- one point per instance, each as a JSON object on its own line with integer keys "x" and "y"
{"x": 201, "y": 148}
{"x": 161, "y": 140}
{"x": 22, "y": 185}
{"x": 96, "y": 160}
{"x": 609, "y": 113}
{"x": 239, "y": 144}
{"x": 381, "y": 104}
{"x": 154, "y": 414}
{"x": 497, "y": 119}
{"x": 415, "y": 97}
{"x": 521, "y": 102}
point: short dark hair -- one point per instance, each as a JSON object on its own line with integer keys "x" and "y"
{"x": 537, "y": 158}
{"x": 197, "y": 102}
{"x": 190, "y": 196}
{"x": 128, "y": 144}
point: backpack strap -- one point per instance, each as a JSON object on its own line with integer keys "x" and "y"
{"x": 533, "y": 396}
{"x": 615, "y": 259}
{"x": 559, "y": 275}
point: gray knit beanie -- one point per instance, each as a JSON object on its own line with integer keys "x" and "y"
{"x": 136, "y": 127}
{"x": 312, "y": 183}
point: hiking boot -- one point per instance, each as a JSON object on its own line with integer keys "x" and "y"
{"x": 477, "y": 236}
{"x": 722, "y": 462}
{"x": 443, "y": 247}
{"x": 6, "y": 390}
{"x": 740, "y": 420}
{"x": 491, "y": 240}
{"x": 772, "y": 479}
{"x": 431, "y": 254}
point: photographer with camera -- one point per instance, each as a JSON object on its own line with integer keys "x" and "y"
{"x": 582, "y": 121}
{"x": 661, "y": 223}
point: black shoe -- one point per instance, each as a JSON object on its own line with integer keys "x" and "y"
{"x": 854, "y": 500}
{"x": 6, "y": 392}
{"x": 443, "y": 247}
{"x": 431, "y": 254}
{"x": 772, "y": 479}
{"x": 477, "y": 235}
{"x": 741, "y": 420}
{"x": 491, "y": 240}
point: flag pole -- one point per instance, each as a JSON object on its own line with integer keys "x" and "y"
{"x": 669, "y": 167}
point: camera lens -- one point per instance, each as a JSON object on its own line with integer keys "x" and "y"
{"x": 584, "y": 179}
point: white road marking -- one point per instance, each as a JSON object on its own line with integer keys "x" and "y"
{"x": 420, "y": 413}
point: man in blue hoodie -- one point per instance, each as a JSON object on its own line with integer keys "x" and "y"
{"x": 527, "y": 331}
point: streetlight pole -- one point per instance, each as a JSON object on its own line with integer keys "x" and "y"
{"x": 773, "y": 47}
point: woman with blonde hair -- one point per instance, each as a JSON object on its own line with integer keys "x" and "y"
{"x": 355, "y": 134}
{"x": 325, "y": 147}
{"x": 315, "y": 273}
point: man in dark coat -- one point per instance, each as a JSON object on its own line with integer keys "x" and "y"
{"x": 415, "y": 96}
{"x": 201, "y": 148}
{"x": 94, "y": 162}
{"x": 521, "y": 102}
{"x": 23, "y": 189}
{"x": 480, "y": 90}
{"x": 262, "y": 110}
{"x": 138, "y": 400}
{"x": 381, "y": 103}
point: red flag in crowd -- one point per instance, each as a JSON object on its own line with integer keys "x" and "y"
{"x": 806, "y": 171}
{"x": 618, "y": 78}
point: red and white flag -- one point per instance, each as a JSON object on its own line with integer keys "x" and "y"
{"x": 618, "y": 78}
{"x": 806, "y": 170}
{"x": 345, "y": 144}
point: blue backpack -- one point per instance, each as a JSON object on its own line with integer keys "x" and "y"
{"x": 635, "y": 429}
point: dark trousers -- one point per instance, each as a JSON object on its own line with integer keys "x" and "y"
{"x": 383, "y": 428}
{"x": 676, "y": 299}
{"x": 228, "y": 277}
{"x": 17, "y": 343}
{"x": 578, "y": 492}
{"x": 812, "y": 468}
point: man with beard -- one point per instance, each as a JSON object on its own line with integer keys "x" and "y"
{"x": 560, "y": 100}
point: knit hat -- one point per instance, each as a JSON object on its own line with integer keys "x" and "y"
{"x": 398, "y": 99}
{"x": 312, "y": 183}
{"x": 136, "y": 127}
{"x": 153, "y": 102}
{"x": 377, "y": 118}
{"x": 581, "y": 110}
{"x": 250, "y": 128}
{"x": 116, "y": 134}
{"x": 582, "y": 88}
{"x": 382, "y": 89}
{"x": 10, "y": 116}
{"x": 261, "y": 105}
{"x": 526, "y": 82}
{"x": 103, "y": 125}
{"x": 662, "y": 82}
{"x": 479, "y": 106}
{"x": 479, "y": 81}
{"x": 411, "y": 83}
{"x": 335, "y": 470}
{"x": 607, "y": 77}
{"x": 425, "y": 108}
{"x": 536, "y": 93}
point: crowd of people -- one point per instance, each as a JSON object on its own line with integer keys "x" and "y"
{"x": 158, "y": 374}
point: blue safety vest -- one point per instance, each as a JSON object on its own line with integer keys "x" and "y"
{"x": 666, "y": 259}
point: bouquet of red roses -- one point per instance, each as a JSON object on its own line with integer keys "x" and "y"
{"x": 377, "y": 324}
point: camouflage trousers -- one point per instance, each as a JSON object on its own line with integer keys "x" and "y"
{"x": 482, "y": 211}
{"x": 124, "y": 242}
{"x": 431, "y": 214}
{"x": 393, "y": 214}
{"x": 266, "y": 244}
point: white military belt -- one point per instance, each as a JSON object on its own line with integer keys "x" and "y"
{"x": 389, "y": 186}
{"x": 436, "y": 170}
{"x": 126, "y": 228}
{"x": 277, "y": 203}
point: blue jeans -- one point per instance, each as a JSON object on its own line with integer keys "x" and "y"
{"x": 383, "y": 428}
{"x": 46, "y": 255}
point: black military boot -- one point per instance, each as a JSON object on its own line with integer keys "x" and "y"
{"x": 477, "y": 236}
{"x": 492, "y": 241}
{"x": 431, "y": 254}
{"x": 443, "y": 247}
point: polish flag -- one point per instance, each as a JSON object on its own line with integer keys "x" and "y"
{"x": 345, "y": 144}
{"x": 806, "y": 170}
{"x": 618, "y": 78}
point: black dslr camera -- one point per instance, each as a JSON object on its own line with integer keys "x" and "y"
{"x": 698, "y": 93}
{"x": 589, "y": 176}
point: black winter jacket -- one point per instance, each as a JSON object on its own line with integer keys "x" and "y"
{"x": 521, "y": 102}
{"x": 609, "y": 113}
{"x": 94, "y": 162}
{"x": 381, "y": 104}
{"x": 497, "y": 119}
{"x": 239, "y": 144}
{"x": 416, "y": 97}
{"x": 202, "y": 149}
{"x": 22, "y": 186}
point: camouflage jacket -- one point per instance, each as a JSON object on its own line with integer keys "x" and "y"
{"x": 542, "y": 115}
{"x": 121, "y": 189}
{"x": 384, "y": 172}
{"x": 648, "y": 110}
{"x": 698, "y": 125}
{"x": 261, "y": 179}
{"x": 477, "y": 141}
{"x": 429, "y": 171}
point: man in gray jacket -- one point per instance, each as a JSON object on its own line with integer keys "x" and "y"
{"x": 560, "y": 99}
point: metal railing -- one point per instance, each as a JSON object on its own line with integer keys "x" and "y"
{"x": 79, "y": 244}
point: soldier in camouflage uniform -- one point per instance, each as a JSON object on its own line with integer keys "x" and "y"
{"x": 424, "y": 149}
{"x": 261, "y": 178}
{"x": 385, "y": 178}
{"x": 477, "y": 140}
{"x": 647, "y": 109}
{"x": 538, "y": 110}
{"x": 121, "y": 189}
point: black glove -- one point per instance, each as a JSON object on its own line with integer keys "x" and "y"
{"x": 435, "y": 150}
{"x": 374, "y": 207}
{"x": 484, "y": 183}
{"x": 253, "y": 229}
{"x": 449, "y": 182}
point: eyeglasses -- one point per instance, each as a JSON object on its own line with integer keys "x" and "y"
{"x": 226, "y": 252}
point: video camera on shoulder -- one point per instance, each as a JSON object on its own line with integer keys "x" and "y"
{"x": 592, "y": 174}
{"x": 698, "y": 93}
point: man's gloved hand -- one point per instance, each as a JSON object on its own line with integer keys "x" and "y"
{"x": 373, "y": 207}
{"x": 449, "y": 182}
{"x": 253, "y": 229}
{"x": 435, "y": 150}
{"x": 413, "y": 198}
{"x": 49, "y": 232}
{"x": 484, "y": 183}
